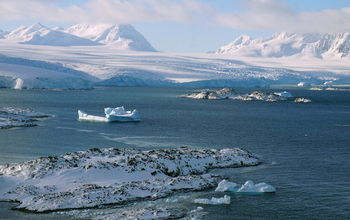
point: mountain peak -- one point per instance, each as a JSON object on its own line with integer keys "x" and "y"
{"x": 123, "y": 35}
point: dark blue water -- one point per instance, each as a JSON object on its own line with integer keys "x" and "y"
{"x": 304, "y": 147}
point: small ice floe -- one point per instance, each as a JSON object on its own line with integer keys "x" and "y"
{"x": 214, "y": 201}
{"x": 250, "y": 187}
{"x": 172, "y": 200}
{"x": 198, "y": 209}
{"x": 145, "y": 213}
{"x": 112, "y": 114}
{"x": 284, "y": 94}
{"x": 226, "y": 186}
{"x": 302, "y": 100}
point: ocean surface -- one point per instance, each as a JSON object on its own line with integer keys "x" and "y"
{"x": 304, "y": 147}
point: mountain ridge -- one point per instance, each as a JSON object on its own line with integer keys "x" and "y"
{"x": 284, "y": 44}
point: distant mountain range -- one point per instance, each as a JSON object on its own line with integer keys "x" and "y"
{"x": 324, "y": 46}
{"x": 120, "y": 36}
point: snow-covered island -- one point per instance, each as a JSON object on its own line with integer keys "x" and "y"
{"x": 113, "y": 176}
{"x": 18, "y": 117}
{"x": 112, "y": 115}
{"x": 229, "y": 93}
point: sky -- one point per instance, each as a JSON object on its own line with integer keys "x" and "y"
{"x": 185, "y": 26}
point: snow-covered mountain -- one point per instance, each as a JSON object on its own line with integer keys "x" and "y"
{"x": 324, "y": 46}
{"x": 38, "y": 34}
{"x": 123, "y": 35}
{"x": 2, "y": 34}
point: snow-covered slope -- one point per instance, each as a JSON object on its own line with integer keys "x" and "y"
{"x": 38, "y": 34}
{"x": 325, "y": 46}
{"x": 121, "y": 35}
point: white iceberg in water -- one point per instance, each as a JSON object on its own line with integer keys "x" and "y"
{"x": 214, "y": 201}
{"x": 112, "y": 114}
{"x": 250, "y": 187}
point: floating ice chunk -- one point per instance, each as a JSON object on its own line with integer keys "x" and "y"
{"x": 226, "y": 186}
{"x": 304, "y": 84}
{"x": 284, "y": 94}
{"x": 214, "y": 201}
{"x": 302, "y": 100}
{"x": 250, "y": 187}
{"x": 112, "y": 114}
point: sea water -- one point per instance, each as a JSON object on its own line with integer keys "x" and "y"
{"x": 304, "y": 147}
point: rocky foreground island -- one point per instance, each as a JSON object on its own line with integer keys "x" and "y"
{"x": 229, "y": 93}
{"x": 96, "y": 177}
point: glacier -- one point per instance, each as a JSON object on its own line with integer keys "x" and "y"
{"x": 117, "y": 55}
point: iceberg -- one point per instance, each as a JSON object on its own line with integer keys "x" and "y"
{"x": 112, "y": 114}
{"x": 250, "y": 187}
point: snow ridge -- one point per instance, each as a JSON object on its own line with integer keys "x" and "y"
{"x": 38, "y": 34}
{"x": 120, "y": 36}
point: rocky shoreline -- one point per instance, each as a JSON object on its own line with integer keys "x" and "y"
{"x": 230, "y": 93}
{"x": 95, "y": 177}
{"x": 18, "y": 117}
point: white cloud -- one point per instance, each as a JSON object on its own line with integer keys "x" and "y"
{"x": 274, "y": 15}
{"x": 108, "y": 11}
{"x": 266, "y": 15}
